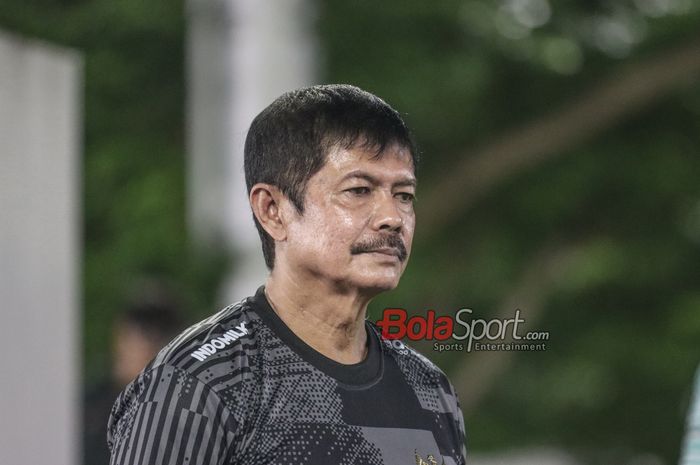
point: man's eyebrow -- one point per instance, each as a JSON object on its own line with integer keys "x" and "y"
{"x": 409, "y": 181}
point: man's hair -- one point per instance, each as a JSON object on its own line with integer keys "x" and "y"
{"x": 154, "y": 310}
{"x": 288, "y": 142}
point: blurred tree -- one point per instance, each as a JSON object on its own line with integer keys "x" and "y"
{"x": 133, "y": 190}
{"x": 560, "y": 145}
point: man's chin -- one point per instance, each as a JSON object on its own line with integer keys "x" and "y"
{"x": 377, "y": 285}
{"x": 373, "y": 278}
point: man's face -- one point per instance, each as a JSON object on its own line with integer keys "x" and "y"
{"x": 133, "y": 349}
{"x": 358, "y": 221}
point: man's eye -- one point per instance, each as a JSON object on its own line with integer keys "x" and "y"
{"x": 359, "y": 190}
{"x": 406, "y": 197}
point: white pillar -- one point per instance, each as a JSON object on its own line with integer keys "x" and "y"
{"x": 40, "y": 106}
{"x": 241, "y": 55}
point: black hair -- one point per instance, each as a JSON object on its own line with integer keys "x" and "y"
{"x": 154, "y": 311}
{"x": 288, "y": 141}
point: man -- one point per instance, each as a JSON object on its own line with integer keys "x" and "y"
{"x": 295, "y": 374}
{"x": 151, "y": 318}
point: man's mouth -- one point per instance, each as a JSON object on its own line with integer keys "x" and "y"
{"x": 386, "y": 251}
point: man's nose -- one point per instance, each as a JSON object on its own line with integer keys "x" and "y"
{"x": 387, "y": 215}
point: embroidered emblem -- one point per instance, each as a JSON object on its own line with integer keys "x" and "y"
{"x": 429, "y": 460}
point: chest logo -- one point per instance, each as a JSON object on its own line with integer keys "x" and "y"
{"x": 429, "y": 460}
{"x": 216, "y": 344}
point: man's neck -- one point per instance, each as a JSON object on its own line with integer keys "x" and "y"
{"x": 332, "y": 323}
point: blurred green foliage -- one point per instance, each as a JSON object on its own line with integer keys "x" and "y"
{"x": 133, "y": 191}
{"x": 624, "y": 314}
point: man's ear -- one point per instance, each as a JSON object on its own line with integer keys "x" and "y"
{"x": 266, "y": 201}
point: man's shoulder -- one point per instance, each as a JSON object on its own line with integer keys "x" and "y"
{"x": 215, "y": 344}
{"x": 204, "y": 360}
{"x": 201, "y": 372}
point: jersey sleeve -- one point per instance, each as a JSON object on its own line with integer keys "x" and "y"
{"x": 169, "y": 417}
{"x": 458, "y": 420}
{"x": 459, "y": 423}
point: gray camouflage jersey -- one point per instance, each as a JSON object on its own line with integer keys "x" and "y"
{"x": 241, "y": 388}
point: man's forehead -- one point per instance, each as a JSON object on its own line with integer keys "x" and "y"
{"x": 394, "y": 157}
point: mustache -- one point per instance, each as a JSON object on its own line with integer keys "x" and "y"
{"x": 380, "y": 242}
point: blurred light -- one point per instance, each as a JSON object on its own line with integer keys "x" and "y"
{"x": 658, "y": 8}
{"x": 562, "y": 55}
{"x": 654, "y": 8}
{"x": 530, "y": 13}
{"x": 616, "y": 36}
{"x": 680, "y": 7}
{"x": 691, "y": 224}
{"x": 507, "y": 25}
